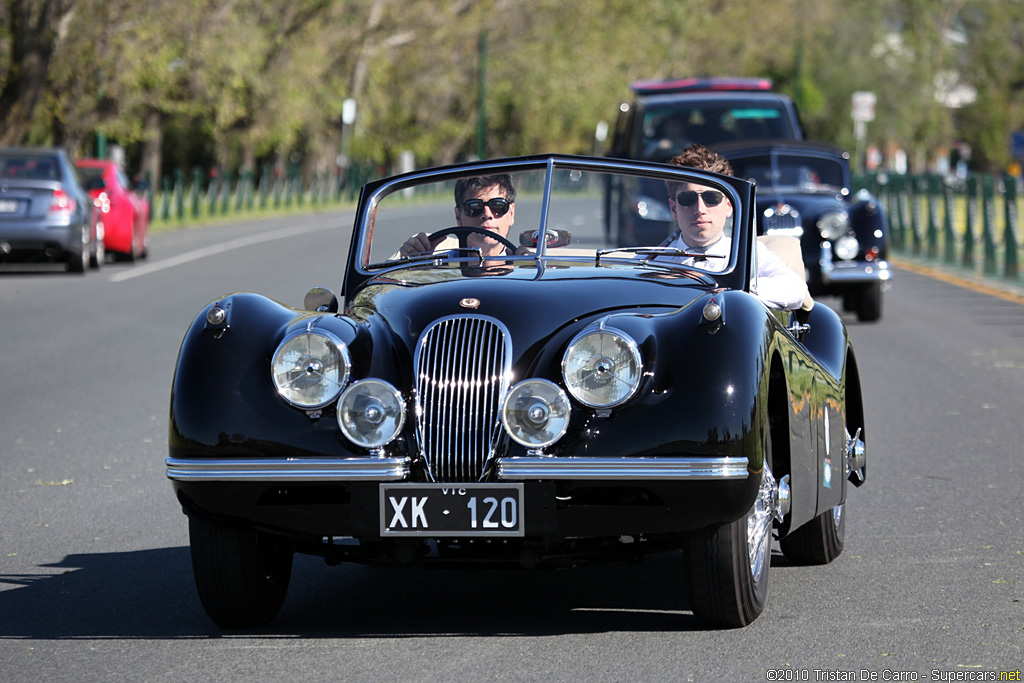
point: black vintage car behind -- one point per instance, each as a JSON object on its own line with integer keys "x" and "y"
{"x": 482, "y": 403}
{"x": 804, "y": 190}
{"x": 667, "y": 116}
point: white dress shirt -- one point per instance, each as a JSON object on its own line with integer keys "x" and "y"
{"x": 776, "y": 284}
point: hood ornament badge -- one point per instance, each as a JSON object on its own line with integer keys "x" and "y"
{"x": 470, "y": 302}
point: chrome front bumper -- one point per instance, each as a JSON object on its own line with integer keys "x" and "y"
{"x": 509, "y": 469}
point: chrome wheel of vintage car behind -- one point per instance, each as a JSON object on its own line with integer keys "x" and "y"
{"x": 242, "y": 575}
{"x": 728, "y": 565}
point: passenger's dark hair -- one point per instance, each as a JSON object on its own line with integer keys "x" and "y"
{"x": 701, "y": 158}
{"x": 466, "y": 186}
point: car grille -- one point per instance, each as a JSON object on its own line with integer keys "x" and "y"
{"x": 781, "y": 222}
{"x": 462, "y": 370}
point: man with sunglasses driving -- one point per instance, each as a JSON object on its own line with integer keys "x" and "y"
{"x": 487, "y": 202}
{"x": 701, "y": 213}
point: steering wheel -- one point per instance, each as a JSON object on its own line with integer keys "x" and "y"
{"x": 463, "y": 231}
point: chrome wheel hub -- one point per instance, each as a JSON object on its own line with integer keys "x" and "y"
{"x": 759, "y": 524}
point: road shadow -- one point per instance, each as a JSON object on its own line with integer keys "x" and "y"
{"x": 150, "y": 594}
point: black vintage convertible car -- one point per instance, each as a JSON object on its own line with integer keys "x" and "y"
{"x": 804, "y": 189}
{"x": 535, "y": 402}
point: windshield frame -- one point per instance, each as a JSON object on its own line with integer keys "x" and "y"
{"x": 737, "y": 273}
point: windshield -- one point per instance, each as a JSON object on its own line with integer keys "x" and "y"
{"x": 505, "y": 216}
{"x": 668, "y": 129}
{"x": 781, "y": 171}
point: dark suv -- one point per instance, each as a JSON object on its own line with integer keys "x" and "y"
{"x": 665, "y": 117}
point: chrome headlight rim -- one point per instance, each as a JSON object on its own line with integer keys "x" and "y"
{"x": 562, "y": 410}
{"x": 345, "y": 365}
{"x": 834, "y": 224}
{"x": 362, "y": 387}
{"x": 628, "y": 344}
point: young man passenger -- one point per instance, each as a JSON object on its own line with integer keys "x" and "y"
{"x": 487, "y": 202}
{"x": 700, "y": 213}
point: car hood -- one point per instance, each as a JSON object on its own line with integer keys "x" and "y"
{"x": 532, "y": 304}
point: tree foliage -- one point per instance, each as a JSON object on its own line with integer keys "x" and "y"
{"x": 243, "y": 82}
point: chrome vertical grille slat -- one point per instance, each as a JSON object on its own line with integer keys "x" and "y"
{"x": 462, "y": 367}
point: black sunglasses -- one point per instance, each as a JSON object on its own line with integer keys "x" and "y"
{"x": 710, "y": 197}
{"x": 499, "y": 206}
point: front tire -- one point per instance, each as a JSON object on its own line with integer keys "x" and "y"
{"x": 869, "y": 303}
{"x": 819, "y": 541}
{"x": 728, "y": 565}
{"x": 242, "y": 575}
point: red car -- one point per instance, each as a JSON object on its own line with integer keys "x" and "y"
{"x": 122, "y": 208}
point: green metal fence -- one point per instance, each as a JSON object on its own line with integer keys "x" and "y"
{"x": 205, "y": 194}
{"x": 971, "y": 223}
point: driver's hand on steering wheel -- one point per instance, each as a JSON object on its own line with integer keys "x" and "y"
{"x": 417, "y": 244}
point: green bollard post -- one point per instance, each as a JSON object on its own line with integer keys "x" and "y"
{"x": 197, "y": 180}
{"x": 179, "y": 193}
{"x": 933, "y": 225}
{"x": 988, "y": 224}
{"x": 948, "y": 235}
{"x": 225, "y": 192}
{"x": 903, "y": 206}
{"x": 165, "y": 199}
{"x": 1012, "y": 268}
{"x": 916, "y": 182}
{"x": 969, "y": 220}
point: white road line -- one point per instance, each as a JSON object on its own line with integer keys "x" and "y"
{"x": 215, "y": 249}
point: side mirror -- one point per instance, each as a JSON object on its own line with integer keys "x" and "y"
{"x": 320, "y": 299}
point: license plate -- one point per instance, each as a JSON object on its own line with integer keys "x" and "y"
{"x": 440, "y": 510}
{"x": 8, "y": 205}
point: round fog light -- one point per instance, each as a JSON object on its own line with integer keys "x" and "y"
{"x": 536, "y": 413}
{"x": 371, "y": 413}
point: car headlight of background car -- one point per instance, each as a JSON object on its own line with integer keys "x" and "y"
{"x": 602, "y": 367}
{"x": 834, "y": 224}
{"x": 651, "y": 209}
{"x": 310, "y": 368}
{"x": 371, "y": 413}
{"x": 536, "y": 413}
{"x": 846, "y": 248}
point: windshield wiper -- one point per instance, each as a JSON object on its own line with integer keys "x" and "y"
{"x": 651, "y": 252}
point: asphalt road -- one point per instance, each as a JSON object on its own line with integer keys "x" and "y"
{"x": 95, "y": 579}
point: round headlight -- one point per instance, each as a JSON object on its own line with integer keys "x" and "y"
{"x": 536, "y": 413}
{"x": 602, "y": 367}
{"x": 846, "y": 247}
{"x": 834, "y": 224}
{"x": 371, "y": 413}
{"x": 310, "y": 368}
